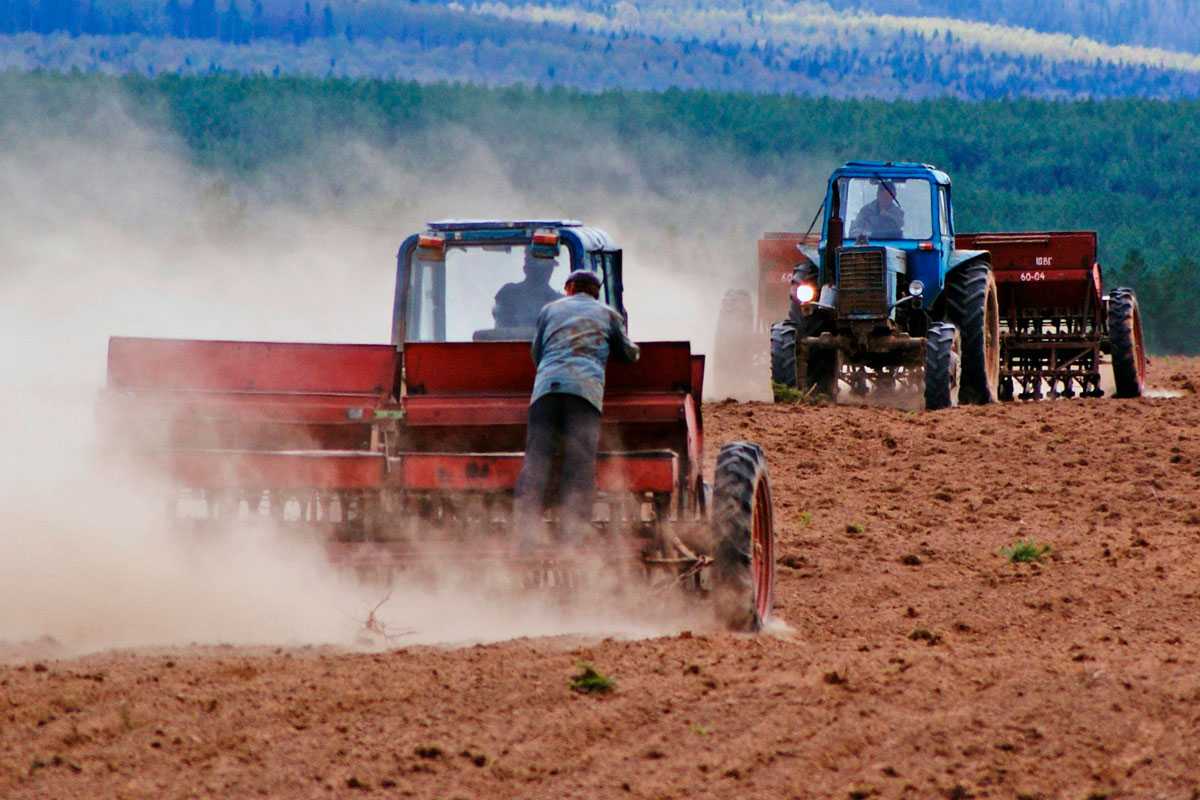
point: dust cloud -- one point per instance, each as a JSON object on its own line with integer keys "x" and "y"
{"x": 109, "y": 229}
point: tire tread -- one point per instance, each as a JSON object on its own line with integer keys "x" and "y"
{"x": 1122, "y": 312}
{"x": 967, "y": 297}
{"x": 741, "y": 467}
{"x": 783, "y": 353}
{"x": 939, "y": 348}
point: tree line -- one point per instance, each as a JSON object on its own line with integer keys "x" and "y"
{"x": 1121, "y": 167}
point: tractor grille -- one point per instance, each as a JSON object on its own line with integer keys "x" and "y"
{"x": 862, "y": 291}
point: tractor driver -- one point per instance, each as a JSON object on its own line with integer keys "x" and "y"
{"x": 881, "y": 219}
{"x": 517, "y": 304}
{"x": 570, "y": 348}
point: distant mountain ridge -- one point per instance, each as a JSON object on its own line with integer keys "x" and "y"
{"x": 1170, "y": 24}
{"x": 835, "y": 48}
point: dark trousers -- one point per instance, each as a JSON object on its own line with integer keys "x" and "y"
{"x": 563, "y": 428}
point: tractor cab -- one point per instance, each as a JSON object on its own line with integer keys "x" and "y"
{"x": 895, "y": 215}
{"x": 480, "y": 280}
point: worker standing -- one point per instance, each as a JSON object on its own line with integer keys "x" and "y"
{"x": 571, "y": 346}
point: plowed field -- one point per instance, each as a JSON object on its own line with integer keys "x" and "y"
{"x": 918, "y": 661}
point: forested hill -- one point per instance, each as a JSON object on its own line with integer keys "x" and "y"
{"x": 1125, "y": 168}
{"x": 834, "y": 48}
{"x": 1173, "y": 24}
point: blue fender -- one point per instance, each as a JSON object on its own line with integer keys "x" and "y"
{"x": 959, "y": 257}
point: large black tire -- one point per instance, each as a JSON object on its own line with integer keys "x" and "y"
{"x": 974, "y": 307}
{"x": 942, "y": 366}
{"x": 783, "y": 353}
{"x": 743, "y": 568}
{"x": 1125, "y": 334}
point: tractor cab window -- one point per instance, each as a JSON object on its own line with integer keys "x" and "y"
{"x": 944, "y": 209}
{"x": 886, "y": 208}
{"x": 608, "y": 265}
{"x": 481, "y": 292}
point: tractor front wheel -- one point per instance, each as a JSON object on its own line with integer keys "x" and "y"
{"x": 974, "y": 307}
{"x": 783, "y": 353}
{"x": 1125, "y": 334}
{"x": 743, "y": 569}
{"x": 943, "y": 366}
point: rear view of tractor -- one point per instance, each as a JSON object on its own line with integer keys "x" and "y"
{"x": 408, "y": 453}
{"x": 885, "y": 304}
{"x": 891, "y": 302}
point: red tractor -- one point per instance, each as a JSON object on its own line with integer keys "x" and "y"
{"x": 410, "y": 451}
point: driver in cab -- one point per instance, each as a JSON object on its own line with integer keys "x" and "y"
{"x": 518, "y": 304}
{"x": 881, "y": 219}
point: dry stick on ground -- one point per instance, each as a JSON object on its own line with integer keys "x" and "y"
{"x": 376, "y": 626}
{"x": 696, "y": 562}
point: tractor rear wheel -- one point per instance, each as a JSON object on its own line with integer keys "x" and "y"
{"x": 974, "y": 307}
{"x": 783, "y": 353}
{"x": 1125, "y": 334}
{"x": 943, "y": 366}
{"x": 743, "y": 569}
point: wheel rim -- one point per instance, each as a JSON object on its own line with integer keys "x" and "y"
{"x": 955, "y": 368}
{"x": 762, "y": 552}
{"x": 991, "y": 322}
{"x": 1138, "y": 350}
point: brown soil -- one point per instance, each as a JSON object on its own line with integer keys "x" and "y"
{"x": 920, "y": 662}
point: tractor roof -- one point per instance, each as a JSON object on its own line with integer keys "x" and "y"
{"x": 494, "y": 224}
{"x": 589, "y": 238}
{"x": 899, "y": 169}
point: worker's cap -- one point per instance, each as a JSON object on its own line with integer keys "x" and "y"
{"x": 583, "y": 277}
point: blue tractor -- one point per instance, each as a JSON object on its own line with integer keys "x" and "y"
{"x": 885, "y": 304}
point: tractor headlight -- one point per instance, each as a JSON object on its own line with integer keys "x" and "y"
{"x": 804, "y": 293}
{"x": 916, "y": 288}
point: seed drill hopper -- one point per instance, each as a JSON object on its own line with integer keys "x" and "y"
{"x": 1056, "y": 322}
{"x": 409, "y": 452}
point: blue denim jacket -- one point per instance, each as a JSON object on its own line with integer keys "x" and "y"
{"x": 571, "y": 346}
